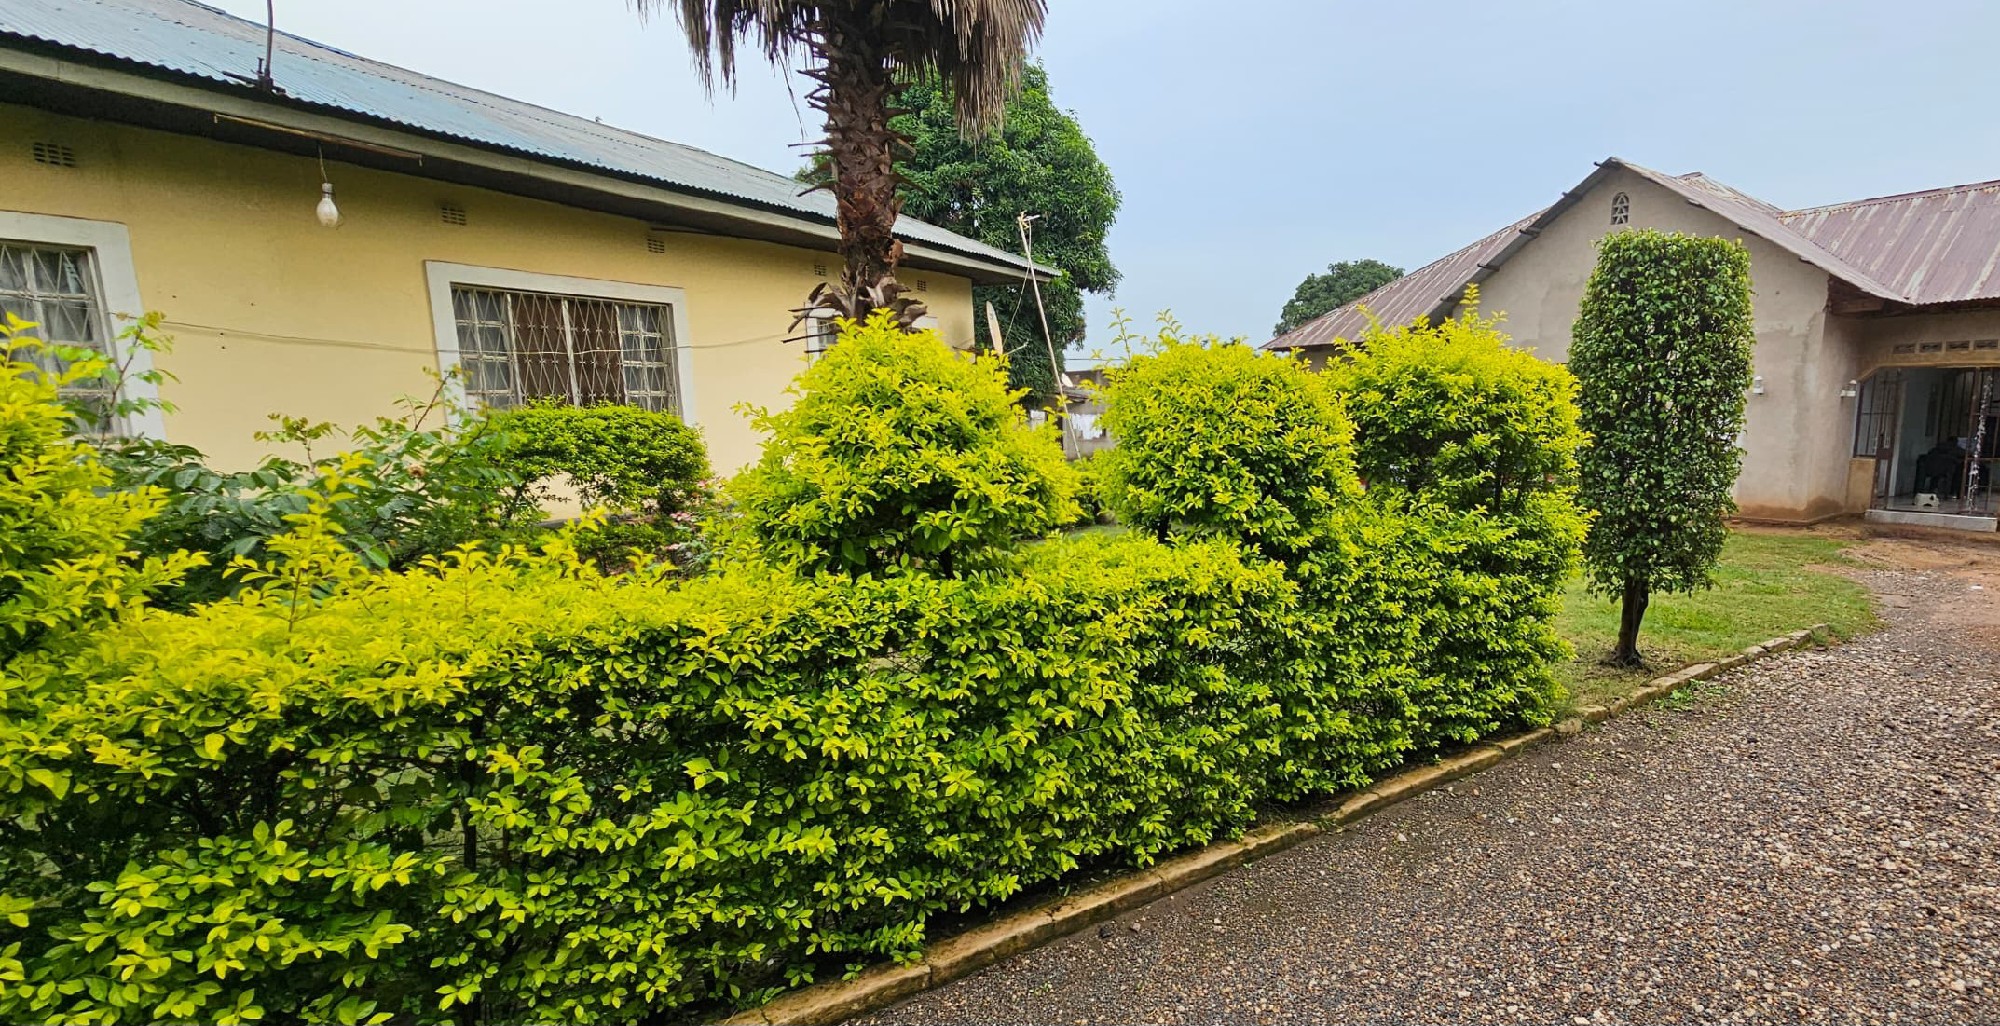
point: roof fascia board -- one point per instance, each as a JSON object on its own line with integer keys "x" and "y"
{"x": 755, "y": 220}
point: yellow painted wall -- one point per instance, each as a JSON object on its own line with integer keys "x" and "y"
{"x": 271, "y": 313}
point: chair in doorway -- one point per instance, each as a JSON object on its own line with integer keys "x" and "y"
{"x": 1940, "y": 470}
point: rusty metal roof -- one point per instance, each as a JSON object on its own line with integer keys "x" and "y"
{"x": 1417, "y": 294}
{"x": 1936, "y": 246}
{"x": 191, "y": 40}
{"x": 1916, "y": 249}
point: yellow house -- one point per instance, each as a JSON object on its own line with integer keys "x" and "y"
{"x": 322, "y": 239}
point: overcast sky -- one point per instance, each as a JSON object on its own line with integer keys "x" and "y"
{"x": 1255, "y": 142}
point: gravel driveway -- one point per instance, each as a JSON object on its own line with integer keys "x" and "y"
{"x": 1815, "y": 838}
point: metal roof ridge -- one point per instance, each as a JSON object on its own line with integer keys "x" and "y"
{"x": 1800, "y": 245}
{"x": 1893, "y": 197}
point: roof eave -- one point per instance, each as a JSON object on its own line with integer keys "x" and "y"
{"x": 157, "y": 90}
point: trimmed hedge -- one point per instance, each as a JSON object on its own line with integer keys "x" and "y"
{"x": 508, "y": 788}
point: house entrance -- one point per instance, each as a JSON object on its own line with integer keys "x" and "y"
{"x": 1934, "y": 433}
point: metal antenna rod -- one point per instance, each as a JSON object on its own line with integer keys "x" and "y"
{"x": 264, "y": 79}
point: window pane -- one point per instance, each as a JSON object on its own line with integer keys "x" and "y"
{"x": 70, "y": 322}
{"x": 594, "y": 336}
{"x": 52, "y": 287}
{"x": 13, "y": 269}
{"x": 539, "y": 344}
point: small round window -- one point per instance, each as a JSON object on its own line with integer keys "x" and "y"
{"x": 1621, "y": 209}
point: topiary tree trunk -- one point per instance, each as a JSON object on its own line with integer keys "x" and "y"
{"x": 1661, "y": 350}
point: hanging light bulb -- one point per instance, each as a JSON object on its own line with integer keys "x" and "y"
{"x": 327, "y": 212}
{"x": 329, "y": 215}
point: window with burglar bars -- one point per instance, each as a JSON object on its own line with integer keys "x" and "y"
{"x": 517, "y": 347}
{"x": 1876, "y": 414}
{"x": 56, "y": 288}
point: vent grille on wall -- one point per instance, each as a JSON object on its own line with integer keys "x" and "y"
{"x": 923, "y": 285}
{"x": 655, "y": 244}
{"x": 819, "y": 270}
{"x": 452, "y": 214}
{"x": 54, "y": 154}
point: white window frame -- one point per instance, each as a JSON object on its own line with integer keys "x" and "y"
{"x": 819, "y": 325}
{"x": 440, "y": 276}
{"x": 110, "y": 246}
{"x": 821, "y": 334}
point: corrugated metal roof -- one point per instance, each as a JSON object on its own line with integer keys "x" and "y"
{"x": 198, "y": 41}
{"x": 1416, "y": 294}
{"x": 1937, "y": 246}
{"x": 1921, "y": 248}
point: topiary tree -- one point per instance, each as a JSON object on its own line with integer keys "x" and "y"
{"x": 901, "y": 454}
{"x": 1662, "y": 350}
{"x": 1216, "y": 438}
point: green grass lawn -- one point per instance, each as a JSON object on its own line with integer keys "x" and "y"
{"x": 1769, "y": 583}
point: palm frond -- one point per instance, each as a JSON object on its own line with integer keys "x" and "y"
{"x": 977, "y": 45}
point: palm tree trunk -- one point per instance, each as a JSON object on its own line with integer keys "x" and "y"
{"x": 855, "y": 93}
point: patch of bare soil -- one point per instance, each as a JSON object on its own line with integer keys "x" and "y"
{"x": 1973, "y": 605}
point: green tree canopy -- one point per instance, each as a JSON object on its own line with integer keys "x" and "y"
{"x": 1040, "y": 163}
{"x": 1661, "y": 351}
{"x": 1343, "y": 283}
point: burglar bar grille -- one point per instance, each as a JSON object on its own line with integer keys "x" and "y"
{"x": 518, "y": 347}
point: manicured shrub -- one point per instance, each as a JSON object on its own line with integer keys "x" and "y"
{"x": 505, "y": 787}
{"x": 540, "y": 794}
{"x": 1470, "y": 448}
{"x": 622, "y": 459}
{"x": 644, "y": 470}
{"x": 901, "y": 454}
{"x": 1217, "y": 438}
{"x": 1449, "y": 413}
{"x": 1662, "y": 347}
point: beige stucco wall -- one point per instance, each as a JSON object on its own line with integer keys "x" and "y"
{"x": 1796, "y": 434}
{"x": 271, "y": 313}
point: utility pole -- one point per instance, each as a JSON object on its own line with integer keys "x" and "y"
{"x": 1059, "y": 402}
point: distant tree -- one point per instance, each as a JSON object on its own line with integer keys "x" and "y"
{"x": 1040, "y": 163}
{"x": 857, "y": 50}
{"x": 1661, "y": 351}
{"x": 1343, "y": 283}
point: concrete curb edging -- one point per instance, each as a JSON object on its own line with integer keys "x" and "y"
{"x": 965, "y": 953}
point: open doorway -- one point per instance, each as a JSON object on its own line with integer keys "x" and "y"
{"x": 1934, "y": 433}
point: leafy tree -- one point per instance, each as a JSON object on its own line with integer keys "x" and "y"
{"x": 1039, "y": 164}
{"x": 1662, "y": 352}
{"x": 858, "y": 50}
{"x": 1343, "y": 283}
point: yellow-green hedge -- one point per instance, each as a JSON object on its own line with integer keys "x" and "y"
{"x": 510, "y": 789}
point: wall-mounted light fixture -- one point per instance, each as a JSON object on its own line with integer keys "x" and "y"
{"x": 1756, "y": 384}
{"x": 1852, "y": 390}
